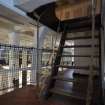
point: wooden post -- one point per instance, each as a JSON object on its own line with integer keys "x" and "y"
{"x": 91, "y": 73}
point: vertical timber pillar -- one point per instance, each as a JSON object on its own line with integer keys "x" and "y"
{"x": 103, "y": 47}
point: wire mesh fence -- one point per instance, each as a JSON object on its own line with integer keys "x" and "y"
{"x": 18, "y": 66}
{"x": 13, "y": 61}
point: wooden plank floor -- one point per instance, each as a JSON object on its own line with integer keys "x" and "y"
{"x": 28, "y": 96}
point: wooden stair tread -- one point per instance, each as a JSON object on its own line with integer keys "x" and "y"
{"x": 76, "y": 67}
{"x": 64, "y": 78}
{"x": 80, "y": 37}
{"x": 67, "y": 79}
{"x": 79, "y": 46}
{"x": 72, "y": 94}
{"x": 78, "y": 56}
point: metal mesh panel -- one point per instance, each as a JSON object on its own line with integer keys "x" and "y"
{"x": 14, "y": 60}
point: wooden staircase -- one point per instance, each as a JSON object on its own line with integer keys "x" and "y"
{"x": 77, "y": 85}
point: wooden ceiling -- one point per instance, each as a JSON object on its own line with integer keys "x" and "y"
{"x": 70, "y": 9}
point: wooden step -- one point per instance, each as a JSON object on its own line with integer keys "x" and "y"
{"x": 78, "y": 56}
{"x": 64, "y": 79}
{"x": 80, "y": 37}
{"x": 77, "y": 67}
{"x": 79, "y": 46}
{"x": 71, "y": 94}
